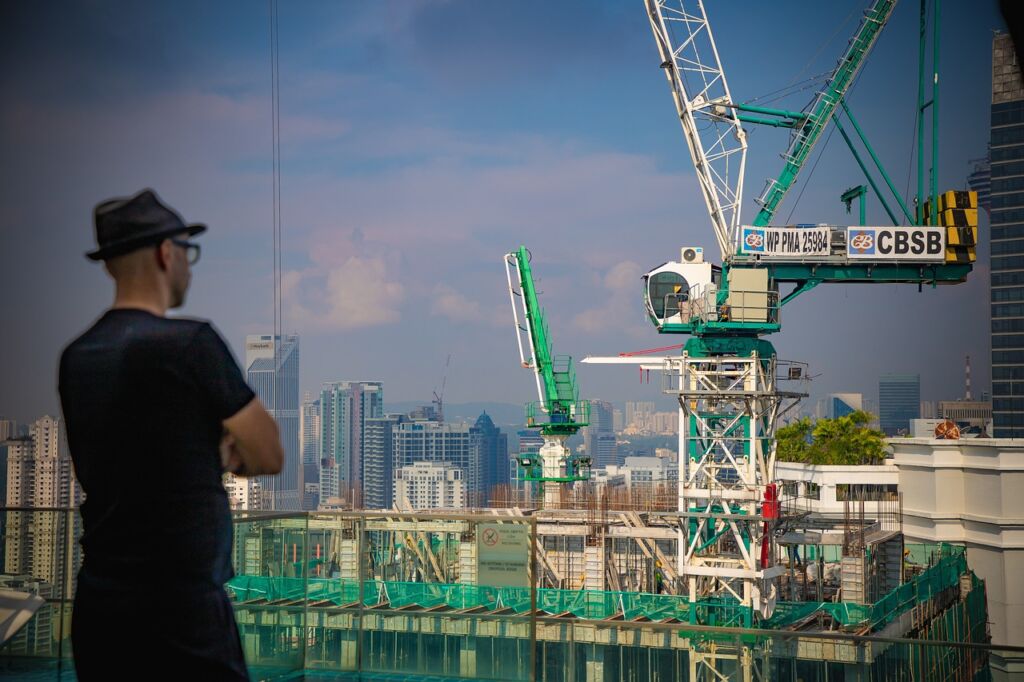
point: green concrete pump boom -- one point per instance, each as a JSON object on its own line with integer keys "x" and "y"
{"x": 556, "y": 380}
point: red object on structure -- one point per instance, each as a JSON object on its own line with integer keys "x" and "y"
{"x": 770, "y": 508}
{"x": 769, "y": 511}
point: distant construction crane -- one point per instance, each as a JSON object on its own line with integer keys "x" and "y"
{"x": 439, "y": 397}
{"x": 558, "y": 413}
{"x": 726, "y": 378}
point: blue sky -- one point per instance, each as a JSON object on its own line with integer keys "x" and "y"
{"x": 420, "y": 141}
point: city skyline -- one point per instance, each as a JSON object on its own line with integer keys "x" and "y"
{"x": 392, "y": 224}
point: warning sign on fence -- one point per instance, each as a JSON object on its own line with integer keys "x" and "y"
{"x": 503, "y": 554}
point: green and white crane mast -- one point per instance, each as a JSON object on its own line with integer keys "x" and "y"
{"x": 558, "y": 413}
{"x": 725, "y": 379}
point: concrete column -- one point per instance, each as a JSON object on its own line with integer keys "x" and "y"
{"x": 593, "y": 563}
{"x": 594, "y": 664}
{"x": 467, "y": 658}
{"x": 348, "y": 560}
{"x": 348, "y": 651}
{"x": 468, "y": 567}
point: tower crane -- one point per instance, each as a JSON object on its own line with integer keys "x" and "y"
{"x": 726, "y": 378}
{"x": 558, "y": 413}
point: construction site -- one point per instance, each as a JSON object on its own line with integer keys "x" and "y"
{"x": 595, "y": 594}
{"x": 724, "y": 573}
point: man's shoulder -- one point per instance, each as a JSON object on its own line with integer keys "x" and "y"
{"x": 119, "y": 327}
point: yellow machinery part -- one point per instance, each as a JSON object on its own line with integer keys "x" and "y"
{"x": 960, "y": 254}
{"x": 961, "y": 236}
{"x": 959, "y": 217}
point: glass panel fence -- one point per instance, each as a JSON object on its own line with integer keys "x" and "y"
{"x": 463, "y": 596}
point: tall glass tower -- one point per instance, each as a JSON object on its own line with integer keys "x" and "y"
{"x": 281, "y": 398}
{"x": 1007, "y": 214}
{"x": 494, "y": 459}
{"x": 310, "y": 452}
{"x": 899, "y": 401}
{"x": 345, "y": 407}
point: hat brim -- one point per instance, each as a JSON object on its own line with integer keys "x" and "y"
{"x": 135, "y": 242}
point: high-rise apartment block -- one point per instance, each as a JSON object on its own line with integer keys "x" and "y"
{"x": 310, "y": 447}
{"x": 1007, "y": 217}
{"x": 8, "y": 429}
{"x": 899, "y": 401}
{"x": 272, "y": 370}
{"x": 40, "y": 475}
{"x": 244, "y": 494}
{"x": 345, "y": 406}
{"x": 430, "y": 485}
{"x": 378, "y": 461}
{"x": 638, "y": 412}
{"x": 434, "y": 442}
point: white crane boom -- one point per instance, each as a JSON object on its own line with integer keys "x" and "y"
{"x": 717, "y": 142}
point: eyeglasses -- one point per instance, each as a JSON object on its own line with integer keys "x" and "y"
{"x": 191, "y": 250}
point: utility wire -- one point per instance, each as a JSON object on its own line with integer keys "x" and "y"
{"x": 810, "y": 174}
{"x": 275, "y": 117}
{"x": 806, "y": 83}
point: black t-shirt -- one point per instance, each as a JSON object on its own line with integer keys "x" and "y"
{"x": 144, "y": 398}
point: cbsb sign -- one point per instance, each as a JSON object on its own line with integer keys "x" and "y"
{"x": 896, "y": 243}
{"x": 784, "y": 241}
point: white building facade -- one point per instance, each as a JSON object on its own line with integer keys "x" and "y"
{"x": 430, "y": 485}
{"x": 824, "y": 489}
{"x": 971, "y": 492}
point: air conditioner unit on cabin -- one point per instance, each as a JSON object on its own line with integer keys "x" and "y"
{"x": 692, "y": 254}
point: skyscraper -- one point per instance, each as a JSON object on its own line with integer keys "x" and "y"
{"x": 378, "y": 458}
{"x": 599, "y": 437}
{"x": 40, "y": 475}
{"x": 899, "y": 401}
{"x": 281, "y": 398}
{"x": 429, "y": 441}
{"x": 8, "y": 429}
{"x": 493, "y": 454}
{"x": 637, "y": 412}
{"x": 1007, "y": 218}
{"x": 841, "y": 404}
{"x": 344, "y": 408}
{"x": 310, "y": 443}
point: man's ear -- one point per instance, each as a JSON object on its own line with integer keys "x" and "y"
{"x": 163, "y": 255}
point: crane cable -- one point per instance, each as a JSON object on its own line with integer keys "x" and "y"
{"x": 275, "y": 116}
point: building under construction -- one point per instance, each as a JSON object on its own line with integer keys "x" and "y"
{"x": 594, "y": 593}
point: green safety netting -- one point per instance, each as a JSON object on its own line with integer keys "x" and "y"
{"x": 948, "y": 563}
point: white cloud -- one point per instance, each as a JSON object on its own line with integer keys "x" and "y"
{"x": 616, "y": 299}
{"x": 449, "y": 303}
{"x": 360, "y": 292}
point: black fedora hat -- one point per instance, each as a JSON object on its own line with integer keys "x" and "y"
{"x": 126, "y": 224}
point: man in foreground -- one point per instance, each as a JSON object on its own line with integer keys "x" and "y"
{"x": 156, "y": 409}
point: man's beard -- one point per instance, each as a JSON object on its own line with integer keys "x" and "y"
{"x": 178, "y": 294}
